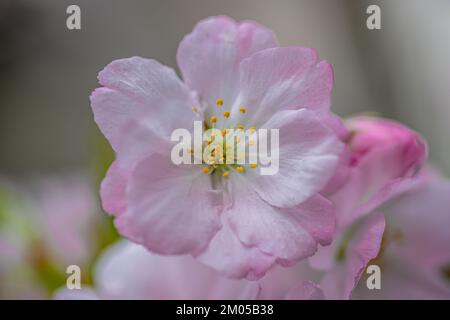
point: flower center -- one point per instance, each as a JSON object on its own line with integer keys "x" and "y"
{"x": 224, "y": 151}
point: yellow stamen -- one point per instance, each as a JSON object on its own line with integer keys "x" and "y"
{"x": 219, "y": 102}
{"x": 225, "y": 174}
{"x": 240, "y": 126}
{"x": 253, "y": 165}
{"x": 205, "y": 170}
{"x": 194, "y": 109}
{"x": 252, "y": 129}
{"x": 242, "y": 110}
{"x": 240, "y": 169}
{"x": 226, "y": 114}
{"x": 213, "y": 119}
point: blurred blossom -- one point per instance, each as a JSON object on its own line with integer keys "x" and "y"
{"x": 42, "y": 231}
{"x": 66, "y": 216}
{"x": 412, "y": 245}
{"x": 18, "y": 279}
{"x": 415, "y": 250}
{"x": 344, "y": 261}
{"x": 382, "y": 161}
{"x": 298, "y": 282}
{"x": 128, "y": 271}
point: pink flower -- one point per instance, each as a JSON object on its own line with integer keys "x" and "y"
{"x": 382, "y": 161}
{"x": 243, "y": 223}
{"x": 129, "y": 271}
{"x": 415, "y": 255}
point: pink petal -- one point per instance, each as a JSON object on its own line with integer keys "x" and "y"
{"x": 308, "y": 155}
{"x": 232, "y": 258}
{"x": 280, "y": 282}
{"x": 364, "y": 245}
{"x": 209, "y": 57}
{"x": 375, "y": 135}
{"x": 140, "y": 88}
{"x": 284, "y": 78}
{"x": 317, "y": 216}
{"x": 306, "y": 290}
{"x": 390, "y": 190}
{"x": 112, "y": 189}
{"x": 336, "y": 124}
{"x": 324, "y": 259}
{"x": 341, "y": 174}
{"x": 289, "y": 235}
{"x": 170, "y": 209}
{"x": 422, "y": 217}
{"x": 403, "y": 280}
{"x": 139, "y": 140}
{"x": 416, "y": 249}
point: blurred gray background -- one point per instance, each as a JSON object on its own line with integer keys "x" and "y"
{"x": 47, "y": 72}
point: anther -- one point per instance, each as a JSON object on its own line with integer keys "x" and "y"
{"x": 219, "y": 102}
